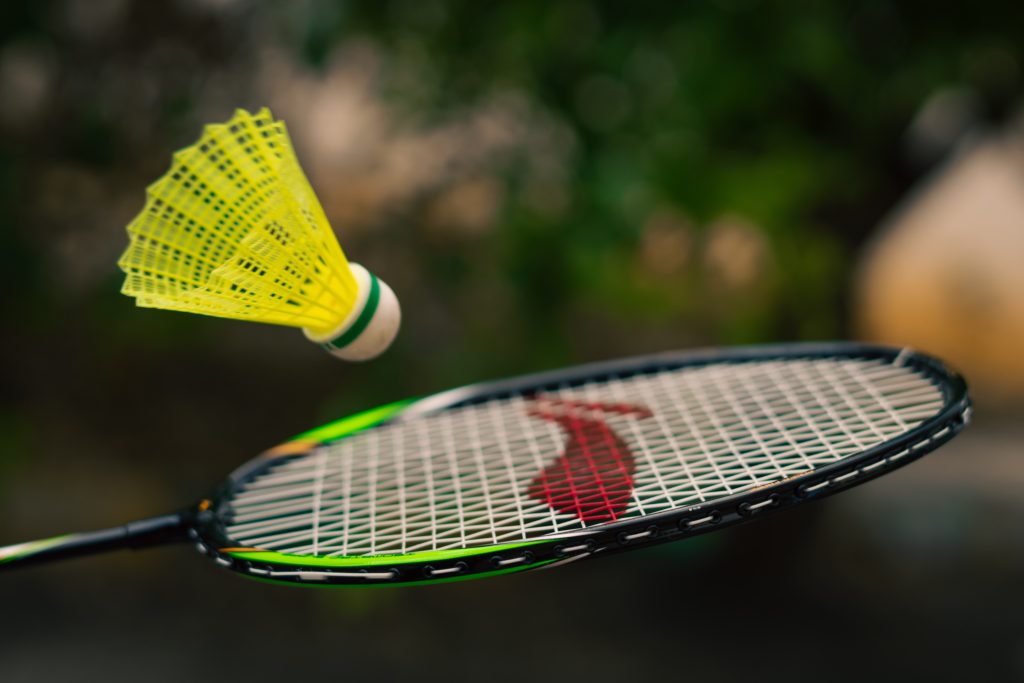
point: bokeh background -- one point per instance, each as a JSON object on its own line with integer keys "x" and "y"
{"x": 543, "y": 183}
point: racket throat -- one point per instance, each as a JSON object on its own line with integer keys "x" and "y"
{"x": 161, "y": 530}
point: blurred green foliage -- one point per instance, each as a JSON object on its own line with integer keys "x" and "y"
{"x": 789, "y": 115}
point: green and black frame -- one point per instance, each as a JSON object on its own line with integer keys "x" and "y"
{"x": 552, "y": 468}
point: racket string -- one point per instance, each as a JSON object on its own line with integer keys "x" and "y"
{"x": 462, "y": 477}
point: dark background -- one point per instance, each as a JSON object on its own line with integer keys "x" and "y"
{"x": 543, "y": 183}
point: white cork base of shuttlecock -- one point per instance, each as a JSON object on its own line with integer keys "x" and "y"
{"x": 370, "y": 327}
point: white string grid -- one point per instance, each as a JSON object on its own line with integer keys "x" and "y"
{"x": 460, "y": 478}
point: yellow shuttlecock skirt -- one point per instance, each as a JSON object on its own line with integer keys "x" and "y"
{"x": 234, "y": 230}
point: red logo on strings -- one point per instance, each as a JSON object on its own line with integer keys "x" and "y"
{"x": 593, "y": 478}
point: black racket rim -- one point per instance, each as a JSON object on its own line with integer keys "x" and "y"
{"x": 209, "y": 534}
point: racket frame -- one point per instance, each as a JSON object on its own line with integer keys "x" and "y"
{"x": 208, "y": 524}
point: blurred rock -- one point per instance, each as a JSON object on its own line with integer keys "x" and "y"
{"x": 666, "y": 245}
{"x": 93, "y": 20}
{"x": 942, "y": 122}
{"x": 467, "y": 208}
{"x": 371, "y": 161}
{"x": 736, "y": 253}
{"x": 946, "y": 272}
{"x": 27, "y": 73}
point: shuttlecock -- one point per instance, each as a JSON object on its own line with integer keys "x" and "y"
{"x": 234, "y": 230}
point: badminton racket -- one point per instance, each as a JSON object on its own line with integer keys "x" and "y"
{"x": 543, "y": 470}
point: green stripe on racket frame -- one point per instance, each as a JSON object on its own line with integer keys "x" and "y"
{"x": 542, "y": 470}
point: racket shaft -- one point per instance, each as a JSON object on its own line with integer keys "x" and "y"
{"x": 141, "y": 534}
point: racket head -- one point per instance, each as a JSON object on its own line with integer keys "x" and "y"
{"x": 551, "y": 468}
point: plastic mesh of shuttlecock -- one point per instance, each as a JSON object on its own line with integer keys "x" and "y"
{"x": 234, "y": 230}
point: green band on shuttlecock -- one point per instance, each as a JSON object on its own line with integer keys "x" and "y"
{"x": 361, "y": 323}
